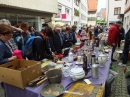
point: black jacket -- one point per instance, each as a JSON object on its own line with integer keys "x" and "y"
{"x": 56, "y": 42}
{"x": 127, "y": 39}
{"x": 68, "y": 40}
{"x": 122, "y": 32}
{"x": 74, "y": 37}
{"x": 41, "y": 49}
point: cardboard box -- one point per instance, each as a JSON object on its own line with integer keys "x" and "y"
{"x": 20, "y": 72}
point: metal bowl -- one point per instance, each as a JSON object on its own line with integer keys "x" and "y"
{"x": 54, "y": 75}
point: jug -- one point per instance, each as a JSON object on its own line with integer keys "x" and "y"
{"x": 70, "y": 57}
{"x": 65, "y": 70}
{"x": 94, "y": 71}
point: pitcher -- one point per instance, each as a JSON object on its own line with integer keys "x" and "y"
{"x": 70, "y": 57}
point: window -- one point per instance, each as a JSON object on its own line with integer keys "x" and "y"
{"x": 126, "y": 1}
{"x": 67, "y": 11}
{"x": 83, "y": 17}
{"x": 91, "y": 19}
{"x": 76, "y": 2}
{"x": 117, "y": 10}
{"x": 59, "y": 8}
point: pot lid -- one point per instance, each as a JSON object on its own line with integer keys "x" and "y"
{"x": 76, "y": 70}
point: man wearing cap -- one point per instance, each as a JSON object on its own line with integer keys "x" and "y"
{"x": 57, "y": 43}
{"x": 44, "y": 27}
{"x": 113, "y": 37}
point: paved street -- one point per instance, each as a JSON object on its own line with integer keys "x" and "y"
{"x": 119, "y": 85}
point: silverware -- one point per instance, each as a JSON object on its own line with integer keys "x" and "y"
{"x": 77, "y": 93}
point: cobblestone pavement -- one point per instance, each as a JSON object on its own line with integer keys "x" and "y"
{"x": 119, "y": 84}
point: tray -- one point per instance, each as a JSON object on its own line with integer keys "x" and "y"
{"x": 88, "y": 90}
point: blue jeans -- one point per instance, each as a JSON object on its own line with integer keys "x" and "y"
{"x": 125, "y": 55}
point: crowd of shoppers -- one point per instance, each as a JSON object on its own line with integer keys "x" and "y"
{"x": 48, "y": 42}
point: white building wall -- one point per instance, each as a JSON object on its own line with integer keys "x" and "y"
{"x": 40, "y": 5}
{"x": 111, "y": 4}
{"x": 127, "y": 17}
{"x": 93, "y": 23}
{"x": 74, "y": 18}
{"x": 83, "y": 12}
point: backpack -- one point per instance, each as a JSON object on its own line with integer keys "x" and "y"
{"x": 28, "y": 48}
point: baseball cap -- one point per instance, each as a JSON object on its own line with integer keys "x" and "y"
{"x": 118, "y": 22}
{"x": 57, "y": 26}
{"x": 43, "y": 25}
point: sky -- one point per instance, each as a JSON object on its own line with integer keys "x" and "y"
{"x": 101, "y": 4}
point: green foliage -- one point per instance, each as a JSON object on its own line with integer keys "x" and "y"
{"x": 76, "y": 12}
{"x": 100, "y": 21}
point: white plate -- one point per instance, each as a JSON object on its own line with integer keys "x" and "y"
{"x": 79, "y": 63}
{"x": 69, "y": 64}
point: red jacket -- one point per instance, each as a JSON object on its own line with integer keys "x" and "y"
{"x": 113, "y": 35}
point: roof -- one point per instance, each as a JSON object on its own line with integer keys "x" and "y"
{"x": 92, "y": 5}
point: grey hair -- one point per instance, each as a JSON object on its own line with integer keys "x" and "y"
{"x": 4, "y": 21}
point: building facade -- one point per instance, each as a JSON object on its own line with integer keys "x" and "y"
{"x": 64, "y": 14}
{"x": 114, "y": 8}
{"x": 71, "y": 12}
{"x": 127, "y": 15}
{"x": 35, "y": 12}
{"x": 92, "y": 9}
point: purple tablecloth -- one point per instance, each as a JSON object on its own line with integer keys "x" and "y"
{"x": 12, "y": 91}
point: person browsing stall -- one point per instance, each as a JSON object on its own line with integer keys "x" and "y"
{"x": 6, "y": 33}
{"x": 40, "y": 46}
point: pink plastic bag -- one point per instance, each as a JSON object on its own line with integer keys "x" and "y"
{"x": 18, "y": 54}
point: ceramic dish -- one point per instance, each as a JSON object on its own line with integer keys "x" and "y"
{"x": 52, "y": 90}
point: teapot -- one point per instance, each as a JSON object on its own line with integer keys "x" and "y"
{"x": 102, "y": 58}
{"x": 70, "y": 57}
{"x": 77, "y": 73}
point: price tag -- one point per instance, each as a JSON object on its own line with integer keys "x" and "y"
{"x": 87, "y": 81}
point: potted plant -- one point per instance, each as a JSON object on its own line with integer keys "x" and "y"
{"x": 76, "y": 12}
